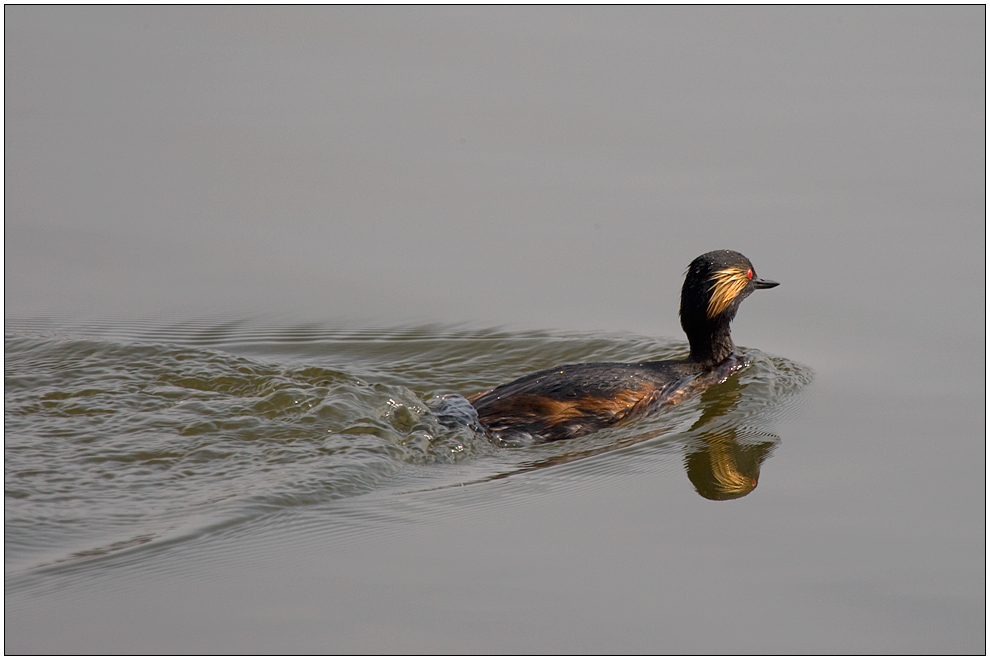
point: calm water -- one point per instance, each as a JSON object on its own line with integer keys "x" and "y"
{"x": 246, "y": 250}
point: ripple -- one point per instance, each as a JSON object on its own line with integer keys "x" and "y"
{"x": 122, "y": 437}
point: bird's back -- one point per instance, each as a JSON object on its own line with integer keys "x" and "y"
{"x": 575, "y": 399}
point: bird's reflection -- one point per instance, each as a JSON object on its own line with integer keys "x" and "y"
{"x": 725, "y": 463}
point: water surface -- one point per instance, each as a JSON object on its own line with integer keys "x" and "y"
{"x": 122, "y": 436}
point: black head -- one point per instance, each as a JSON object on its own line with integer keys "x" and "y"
{"x": 715, "y": 284}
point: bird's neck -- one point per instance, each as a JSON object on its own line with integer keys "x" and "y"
{"x": 711, "y": 346}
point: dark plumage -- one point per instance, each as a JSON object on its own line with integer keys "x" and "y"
{"x": 575, "y": 399}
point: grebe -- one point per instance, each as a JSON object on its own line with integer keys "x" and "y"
{"x": 575, "y": 399}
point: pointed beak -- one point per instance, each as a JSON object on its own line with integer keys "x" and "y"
{"x": 764, "y": 284}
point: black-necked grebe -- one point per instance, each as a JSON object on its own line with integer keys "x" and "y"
{"x": 575, "y": 399}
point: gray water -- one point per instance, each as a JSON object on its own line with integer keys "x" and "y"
{"x": 247, "y": 248}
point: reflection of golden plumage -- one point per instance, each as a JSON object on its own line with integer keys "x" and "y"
{"x": 576, "y": 399}
{"x": 726, "y": 472}
{"x": 725, "y": 469}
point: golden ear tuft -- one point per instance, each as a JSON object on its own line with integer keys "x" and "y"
{"x": 726, "y": 285}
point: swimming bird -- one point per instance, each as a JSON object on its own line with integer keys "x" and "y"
{"x": 575, "y": 399}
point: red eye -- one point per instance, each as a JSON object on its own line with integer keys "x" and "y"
{"x": 749, "y": 273}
